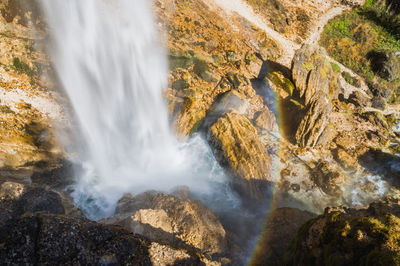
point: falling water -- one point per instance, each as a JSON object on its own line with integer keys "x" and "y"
{"x": 113, "y": 68}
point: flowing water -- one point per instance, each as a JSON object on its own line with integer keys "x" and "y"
{"x": 113, "y": 68}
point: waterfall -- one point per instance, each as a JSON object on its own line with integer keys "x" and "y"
{"x": 113, "y": 68}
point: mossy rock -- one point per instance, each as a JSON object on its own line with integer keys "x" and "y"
{"x": 279, "y": 79}
{"x": 348, "y": 237}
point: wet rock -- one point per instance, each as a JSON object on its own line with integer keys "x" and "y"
{"x": 237, "y": 146}
{"x": 329, "y": 180}
{"x": 314, "y": 121}
{"x": 47, "y": 239}
{"x": 281, "y": 227}
{"x": 347, "y": 161}
{"x": 175, "y": 220}
{"x": 11, "y": 191}
{"x": 344, "y": 236}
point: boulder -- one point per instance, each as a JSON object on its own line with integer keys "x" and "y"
{"x": 238, "y": 148}
{"x": 355, "y": 236}
{"x": 316, "y": 86}
{"x": 347, "y": 161}
{"x": 17, "y": 199}
{"x": 175, "y": 220}
{"x": 312, "y": 73}
{"x": 314, "y": 121}
{"x": 281, "y": 227}
{"x": 386, "y": 65}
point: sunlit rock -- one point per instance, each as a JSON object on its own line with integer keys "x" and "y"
{"x": 316, "y": 84}
{"x": 237, "y": 146}
{"x": 176, "y": 220}
{"x": 354, "y": 236}
{"x": 315, "y": 120}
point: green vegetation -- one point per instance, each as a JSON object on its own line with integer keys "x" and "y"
{"x": 196, "y": 127}
{"x": 22, "y": 67}
{"x": 353, "y": 37}
{"x": 336, "y": 67}
{"x": 348, "y": 240}
{"x": 6, "y": 109}
{"x": 279, "y": 79}
{"x": 350, "y": 79}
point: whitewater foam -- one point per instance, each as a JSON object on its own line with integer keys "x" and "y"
{"x": 113, "y": 68}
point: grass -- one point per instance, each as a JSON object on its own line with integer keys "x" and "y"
{"x": 349, "y": 39}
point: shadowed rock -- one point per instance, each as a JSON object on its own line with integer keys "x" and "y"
{"x": 279, "y": 230}
{"x": 54, "y": 240}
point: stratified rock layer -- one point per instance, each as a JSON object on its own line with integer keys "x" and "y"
{"x": 316, "y": 85}
{"x": 238, "y": 147}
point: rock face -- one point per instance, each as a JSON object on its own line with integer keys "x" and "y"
{"x": 240, "y": 150}
{"x": 16, "y": 200}
{"x": 316, "y": 85}
{"x": 174, "y": 220}
{"x": 315, "y": 120}
{"x": 54, "y": 240}
{"x": 349, "y": 237}
{"x": 281, "y": 227}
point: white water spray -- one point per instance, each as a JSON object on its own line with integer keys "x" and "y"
{"x": 113, "y": 68}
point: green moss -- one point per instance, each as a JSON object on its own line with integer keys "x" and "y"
{"x": 350, "y": 79}
{"x": 278, "y": 79}
{"x": 5, "y": 109}
{"x": 200, "y": 66}
{"x": 22, "y": 67}
{"x": 308, "y": 66}
{"x": 336, "y": 68}
{"x": 352, "y": 37}
{"x": 196, "y": 127}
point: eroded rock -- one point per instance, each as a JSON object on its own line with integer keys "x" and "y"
{"x": 315, "y": 120}
{"x": 175, "y": 220}
{"x": 316, "y": 84}
{"x": 240, "y": 150}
